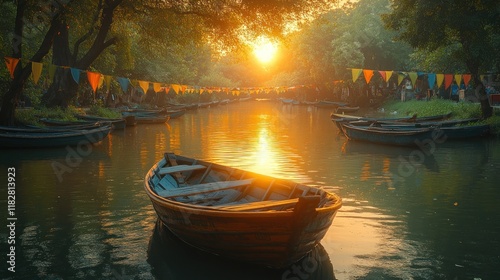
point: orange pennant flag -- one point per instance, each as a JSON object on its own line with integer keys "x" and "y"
{"x": 368, "y": 75}
{"x": 439, "y": 79}
{"x": 157, "y": 87}
{"x": 466, "y": 79}
{"x": 355, "y": 74}
{"x": 11, "y": 63}
{"x": 93, "y": 78}
{"x": 36, "y": 71}
{"x": 144, "y": 85}
{"x": 176, "y": 88}
{"x": 448, "y": 78}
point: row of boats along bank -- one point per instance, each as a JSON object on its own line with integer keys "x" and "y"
{"x": 408, "y": 131}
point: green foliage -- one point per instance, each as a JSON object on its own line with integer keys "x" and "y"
{"x": 32, "y": 116}
{"x": 98, "y": 110}
{"x": 459, "y": 110}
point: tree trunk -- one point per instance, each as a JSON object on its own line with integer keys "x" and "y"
{"x": 480, "y": 91}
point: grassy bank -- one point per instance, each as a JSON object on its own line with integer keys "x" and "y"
{"x": 32, "y": 116}
{"x": 459, "y": 110}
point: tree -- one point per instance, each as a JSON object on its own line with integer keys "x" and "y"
{"x": 473, "y": 25}
{"x": 77, "y": 33}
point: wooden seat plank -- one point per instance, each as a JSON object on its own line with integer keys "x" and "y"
{"x": 180, "y": 168}
{"x": 207, "y": 187}
{"x": 259, "y": 205}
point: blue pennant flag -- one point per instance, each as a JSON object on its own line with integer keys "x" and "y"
{"x": 124, "y": 82}
{"x": 75, "y": 73}
{"x": 431, "y": 78}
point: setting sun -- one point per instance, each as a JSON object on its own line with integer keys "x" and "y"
{"x": 264, "y": 50}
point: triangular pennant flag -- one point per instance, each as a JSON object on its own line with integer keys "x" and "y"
{"x": 448, "y": 78}
{"x": 439, "y": 79}
{"x": 167, "y": 89}
{"x": 101, "y": 81}
{"x": 11, "y": 63}
{"x": 144, "y": 85}
{"x": 75, "y": 73}
{"x": 157, "y": 87}
{"x": 368, "y": 75}
{"x": 388, "y": 75}
{"x": 431, "y": 78}
{"x": 183, "y": 88}
{"x": 52, "y": 71}
{"x": 382, "y": 73}
{"x": 458, "y": 79}
{"x": 466, "y": 79}
{"x": 93, "y": 80}
{"x": 355, "y": 74}
{"x": 36, "y": 71}
{"x": 107, "y": 80}
{"x": 124, "y": 82}
{"x": 413, "y": 77}
{"x": 176, "y": 88}
{"x": 401, "y": 77}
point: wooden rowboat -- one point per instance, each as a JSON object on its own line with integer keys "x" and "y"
{"x": 38, "y": 138}
{"x": 386, "y": 136}
{"x": 239, "y": 214}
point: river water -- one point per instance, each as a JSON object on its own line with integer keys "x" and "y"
{"x": 82, "y": 213}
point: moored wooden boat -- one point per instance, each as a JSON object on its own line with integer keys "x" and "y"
{"x": 406, "y": 137}
{"x": 330, "y": 104}
{"x": 239, "y": 214}
{"x": 346, "y": 109}
{"x": 116, "y": 123}
{"x": 53, "y": 138}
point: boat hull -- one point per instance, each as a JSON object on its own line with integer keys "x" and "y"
{"x": 405, "y": 137}
{"x": 270, "y": 238}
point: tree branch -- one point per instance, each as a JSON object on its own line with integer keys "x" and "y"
{"x": 89, "y": 33}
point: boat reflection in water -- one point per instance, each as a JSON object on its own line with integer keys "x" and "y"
{"x": 171, "y": 258}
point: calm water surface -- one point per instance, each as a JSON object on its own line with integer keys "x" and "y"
{"x": 83, "y": 214}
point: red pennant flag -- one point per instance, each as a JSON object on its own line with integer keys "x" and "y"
{"x": 382, "y": 73}
{"x": 448, "y": 78}
{"x": 466, "y": 78}
{"x": 94, "y": 79}
{"x": 11, "y": 63}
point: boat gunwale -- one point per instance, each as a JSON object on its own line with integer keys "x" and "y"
{"x": 212, "y": 211}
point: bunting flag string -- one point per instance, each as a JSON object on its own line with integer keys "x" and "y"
{"x": 97, "y": 80}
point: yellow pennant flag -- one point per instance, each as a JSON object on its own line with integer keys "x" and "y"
{"x": 388, "y": 75}
{"x": 401, "y": 77}
{"x": 36, "y": 71}
{"x": 439, "y": 79}
{"x": 107, "y": 79}
{"x": 144, "y": 85}
{"x": 413, "y": 77}
{"x": 458, "y": 79}
{"x": 157, "y": 87}
{"x": 355, "y": 74}
{"x": 52, "y": 71}
{"x": 101, "y": 81}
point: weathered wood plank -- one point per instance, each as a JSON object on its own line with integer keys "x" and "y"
{"x": 180, "y": 168}
{"x": 259, "y": 205}
{"x": 206, "y": 188}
